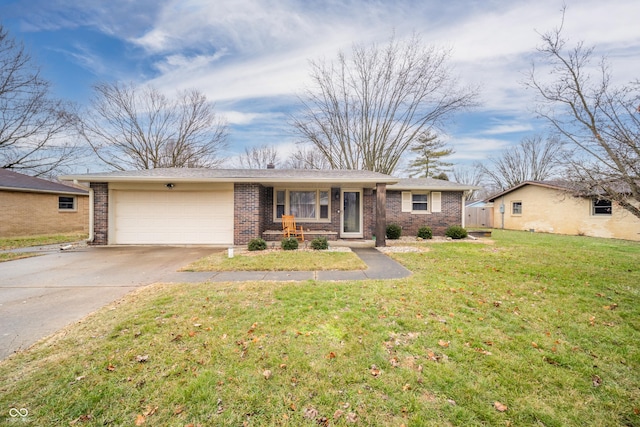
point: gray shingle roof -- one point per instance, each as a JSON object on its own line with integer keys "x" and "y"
{"x": 238, "y": 175}
{"x": 14, "y": 181}
{"x": 430, "y": 184}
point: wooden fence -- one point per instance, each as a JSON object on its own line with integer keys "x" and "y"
{"x": 479, "y": 217}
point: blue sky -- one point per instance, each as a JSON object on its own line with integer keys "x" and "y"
{"x": 251, "y": 57}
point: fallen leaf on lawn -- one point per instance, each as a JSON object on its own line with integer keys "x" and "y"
{"x": 150, "y": 411}
{"x": 611, "y": 307}
{"x": 331, "y": 355}
{"x": 443, "y": 343}
{"x": 142, "y": 359}
{"x": 596, "y": 380}
{"x": 375, "y": 371}
{"x": 451, "y": 402}
{"x": 534, "y": 344}
{"x": 82, "y": 419}
{"x": 192, "y": 334}
{"x": 140, "y": 419}
{"x": 310, "y": 413}
{"x": 483, "y": 351}
{"x": 499, "y": 406}
{"x": 111, "y": 368}
{"x": 352, "y": 417}
{"x": 338, "y": 414}
{"x": 497, "y": 303}
{"x": 394, "y": 362}
{"x": 266, "y": 374}
{"x": 177, "y": 338}
{"x": 178, "y": 410}
{"x": 592, "y": 321}
{"x": 322, "y": 421}
{"x": 406, "y": 387}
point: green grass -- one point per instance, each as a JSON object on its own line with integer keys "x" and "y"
{"x": 279, "y": 260}
{"x": 547, "y": 325}
{"x": 49, "y": 239}
{"x": 10, "y": 256}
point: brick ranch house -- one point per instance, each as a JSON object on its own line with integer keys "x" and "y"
{"x": 233, "y": 206}
{"x": 32, "y": 206}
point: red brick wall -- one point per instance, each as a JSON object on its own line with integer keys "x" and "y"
{"x": 270, "y": 224}
{"x": 247, "y": 200}
{"x": 100, "y": 213}
{"x": 438, "y": 221}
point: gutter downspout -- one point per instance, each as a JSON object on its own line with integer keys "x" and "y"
{"x": 464, "y": 207}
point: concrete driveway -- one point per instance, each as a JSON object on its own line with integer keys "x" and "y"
{"x": 41, "y": 295}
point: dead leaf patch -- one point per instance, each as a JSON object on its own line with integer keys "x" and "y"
{"x": 500, "y": 407}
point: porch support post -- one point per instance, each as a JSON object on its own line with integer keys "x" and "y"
{"x": 381, "y": 215}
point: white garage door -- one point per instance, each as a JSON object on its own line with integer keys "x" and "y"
{"x": 172, "y": 217}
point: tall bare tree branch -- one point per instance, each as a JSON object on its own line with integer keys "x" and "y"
{"x": 130, "y": 127}
{"x": 533, "y": 159}
{"x": 601, "y": 121}
{"x": 259, "y": 157}
{"x": 34, "y": 128}
{"x": 363, "y": 112}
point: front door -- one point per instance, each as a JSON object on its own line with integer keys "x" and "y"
{"x": 351, "y": 217}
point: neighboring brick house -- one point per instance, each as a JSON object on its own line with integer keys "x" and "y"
{"x": 33, "y": 206}
{"x": 556, "y": 207}
{"x": 233, "y": 206}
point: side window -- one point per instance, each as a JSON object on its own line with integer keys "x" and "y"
{"x": 66, "y": 203}
{"x": 280, "y": 200}
{"x": 601, "y": 207}
{"x": 516, "y": 208}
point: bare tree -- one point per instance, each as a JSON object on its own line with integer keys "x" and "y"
{"x": 259, "y": 157}
{"x": 600, "y": 120}
{"x": 533, "y": 159}
{"x": 363, "y": 111}
{"x": 141, "y": 128}
{"x": 307, "y": 157}
{"x": 430, "y": 150}
{"x": 34, "y": 127}
{"x": 469, "y": 176}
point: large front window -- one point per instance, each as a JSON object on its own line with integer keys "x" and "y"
{"x": 309, "y": 205}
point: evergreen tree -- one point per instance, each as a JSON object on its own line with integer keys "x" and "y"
{"x": 429, "y": 150}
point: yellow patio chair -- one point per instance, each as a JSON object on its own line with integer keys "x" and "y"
{"x": 289, "y": 228}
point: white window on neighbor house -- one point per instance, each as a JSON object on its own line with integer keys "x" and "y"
{"x": 600, "y": 207}
{"x": 307, "y": 205}
{"x": 421, "y": 202}
{"x": 516, "y": 208}
{"x": 66, "y": 203}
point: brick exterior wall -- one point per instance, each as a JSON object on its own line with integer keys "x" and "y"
{"x": 247, "y": 201}
{"x": 270, "y": 224}
{"x": 439, "y": 221}
{"x": 29, "y": 214}
{"x": 100, "y": 213}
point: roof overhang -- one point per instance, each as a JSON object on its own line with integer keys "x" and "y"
{"x": 271, "y": 177}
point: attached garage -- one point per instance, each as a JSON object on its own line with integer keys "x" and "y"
{"x": 182, "y": 215}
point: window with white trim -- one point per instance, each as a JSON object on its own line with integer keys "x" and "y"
{"x": 516, "y": 208}
{"x": 66, "y": 203}
{"x": 421, "y": 202}
{"x": 306, "y": 205}
{"x": 600, "y": 207}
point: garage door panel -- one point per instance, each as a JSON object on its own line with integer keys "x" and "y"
{"x": 172, "y": 217}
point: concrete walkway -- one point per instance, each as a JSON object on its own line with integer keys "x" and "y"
{"x": 379, "y": 266}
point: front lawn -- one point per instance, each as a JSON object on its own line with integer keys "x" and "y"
{"x": 533, "y": 330}
{"x": 48, "y": 239}
{"x": 278, "y": 260}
